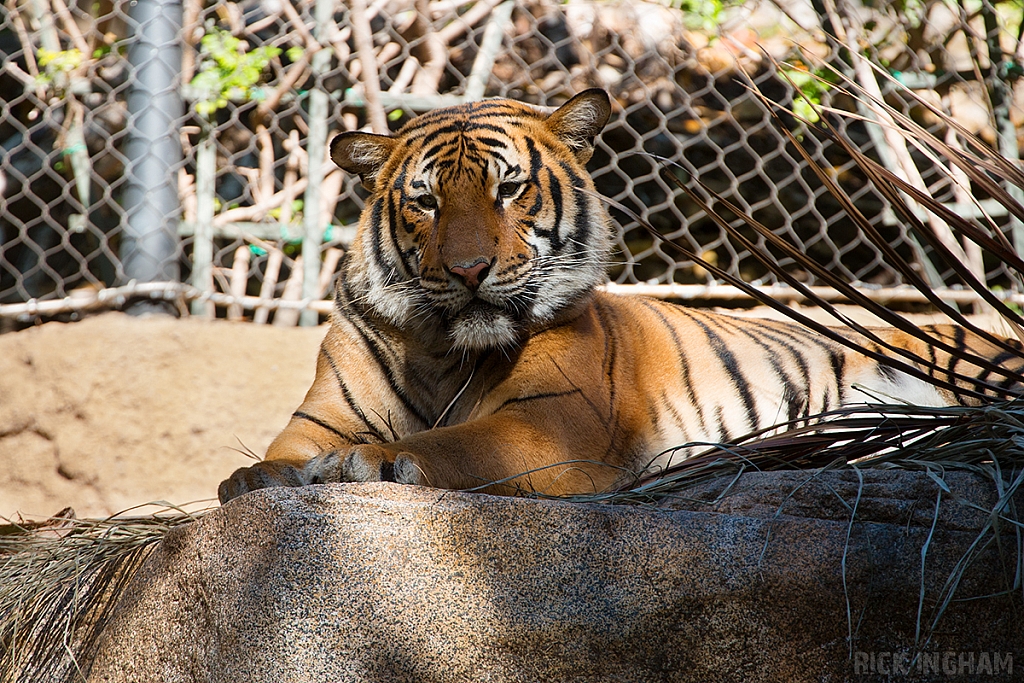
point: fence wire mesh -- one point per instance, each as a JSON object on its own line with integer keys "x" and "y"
{"x": 174, "y": 150}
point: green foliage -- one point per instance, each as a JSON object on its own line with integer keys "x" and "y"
{"x": 56, "y": 63}
{"x": 702, "y": 15}
{"x": 227, "y": 71}
{"x": 296, "y": 210}
{"x": 813, "y": 83}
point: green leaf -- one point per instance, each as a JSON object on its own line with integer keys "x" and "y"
{"x": 227, "y": 72}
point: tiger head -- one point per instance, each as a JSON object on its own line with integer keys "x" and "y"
{"x": 481, "y": 221}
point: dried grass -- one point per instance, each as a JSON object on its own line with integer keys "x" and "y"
{"x": 59, "y": 581}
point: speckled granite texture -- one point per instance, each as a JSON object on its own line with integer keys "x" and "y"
{"x": 380, "y": 582}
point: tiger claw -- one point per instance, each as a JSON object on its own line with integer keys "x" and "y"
{"x": 262, "y": 475}
{"x": 408, "y": 471}
{"x": 367, "y": 464}
{"x": 364, "y": 464}
{"x": 324, "y": 469}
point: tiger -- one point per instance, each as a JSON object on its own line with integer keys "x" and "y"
{"x": 471, "y": 345}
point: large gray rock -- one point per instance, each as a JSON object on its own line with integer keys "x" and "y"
{"x": 389, "y": 583}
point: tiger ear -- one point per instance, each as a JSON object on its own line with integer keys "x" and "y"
{"x": 578, "y": 121}
{"x": 362, "y": 153}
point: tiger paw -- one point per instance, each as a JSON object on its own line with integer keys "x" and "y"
{"x": 363, "y": 463}
{"x": 264, "y": 474}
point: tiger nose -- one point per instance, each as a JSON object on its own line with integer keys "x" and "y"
{"x": 472, "y": 275}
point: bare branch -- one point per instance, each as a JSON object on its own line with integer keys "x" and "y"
{"x": 434, "y": 51}
{"x": 467, "y": 21}
{"x": 312, "y": 44}
{"x": 370, "y": 76}
{"x": 71, "y": 27}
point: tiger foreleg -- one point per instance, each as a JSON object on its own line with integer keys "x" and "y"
{"x": 499, "y": 454}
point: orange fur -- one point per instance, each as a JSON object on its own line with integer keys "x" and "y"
{"x": 469, "y": 347}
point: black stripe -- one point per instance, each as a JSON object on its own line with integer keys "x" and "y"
{"x": 728, "y": 361}
{"x": 433, "y": 152}
{"x": 680, "y": 423}
{"x": 582, "y": 221}
{"x": 684, "y": 363}
{"x": 1011, "y": 383}
{"x": 347, "y": 395}
{"x": 552, "y": 235}
{"x": 535, "y": 397}
{"x": 610, "y": 351}
{"x": 320, "y": 423}
{"x": 726, "y": 435}
{"x": 801, "y": 362}
{"x": 388, "y": 371}
{"x": 393, "y": 216}
{"x": 793, "y": 392}
{"x": 888, "y": 373}
{"x": 933, "y": 366}
{"x": 343, "y": 292}
{"x": 376, "y": 216}
{"x": 1000, "y": 360}
{"x": 536, "y": 163}
{"x": 959, "y": 334}
{"x": 490, "y": 107}
{"x": 430, "y": 135}
{"x": 494, "y": 128}
{"x": 837, "y": 360}
{"x": 490, "y": 142}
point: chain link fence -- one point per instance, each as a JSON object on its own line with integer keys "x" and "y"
{"x": 172, "y": 153}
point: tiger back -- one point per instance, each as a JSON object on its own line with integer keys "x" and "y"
{"x": 470, "y": 347}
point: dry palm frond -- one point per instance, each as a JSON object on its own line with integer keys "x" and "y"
{"x": 59, "y": 580}
{"x": 987, "y": 439}
{"x": 977, "y": 438}
{"x": 986, "y": 170}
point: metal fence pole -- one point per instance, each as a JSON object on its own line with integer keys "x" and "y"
{"x": 316, "y": 152}
{"x": 149, "y": 246}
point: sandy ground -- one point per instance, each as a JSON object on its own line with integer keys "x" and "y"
{"x": 116, "y": 411}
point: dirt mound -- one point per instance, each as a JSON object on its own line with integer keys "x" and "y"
{"x": 115, "y": 411}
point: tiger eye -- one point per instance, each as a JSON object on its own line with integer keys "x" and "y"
{"x": 506, "y": 190}
{"x": 427, "y": 201}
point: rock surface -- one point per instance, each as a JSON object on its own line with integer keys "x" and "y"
{"x": 379, "y": 582}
